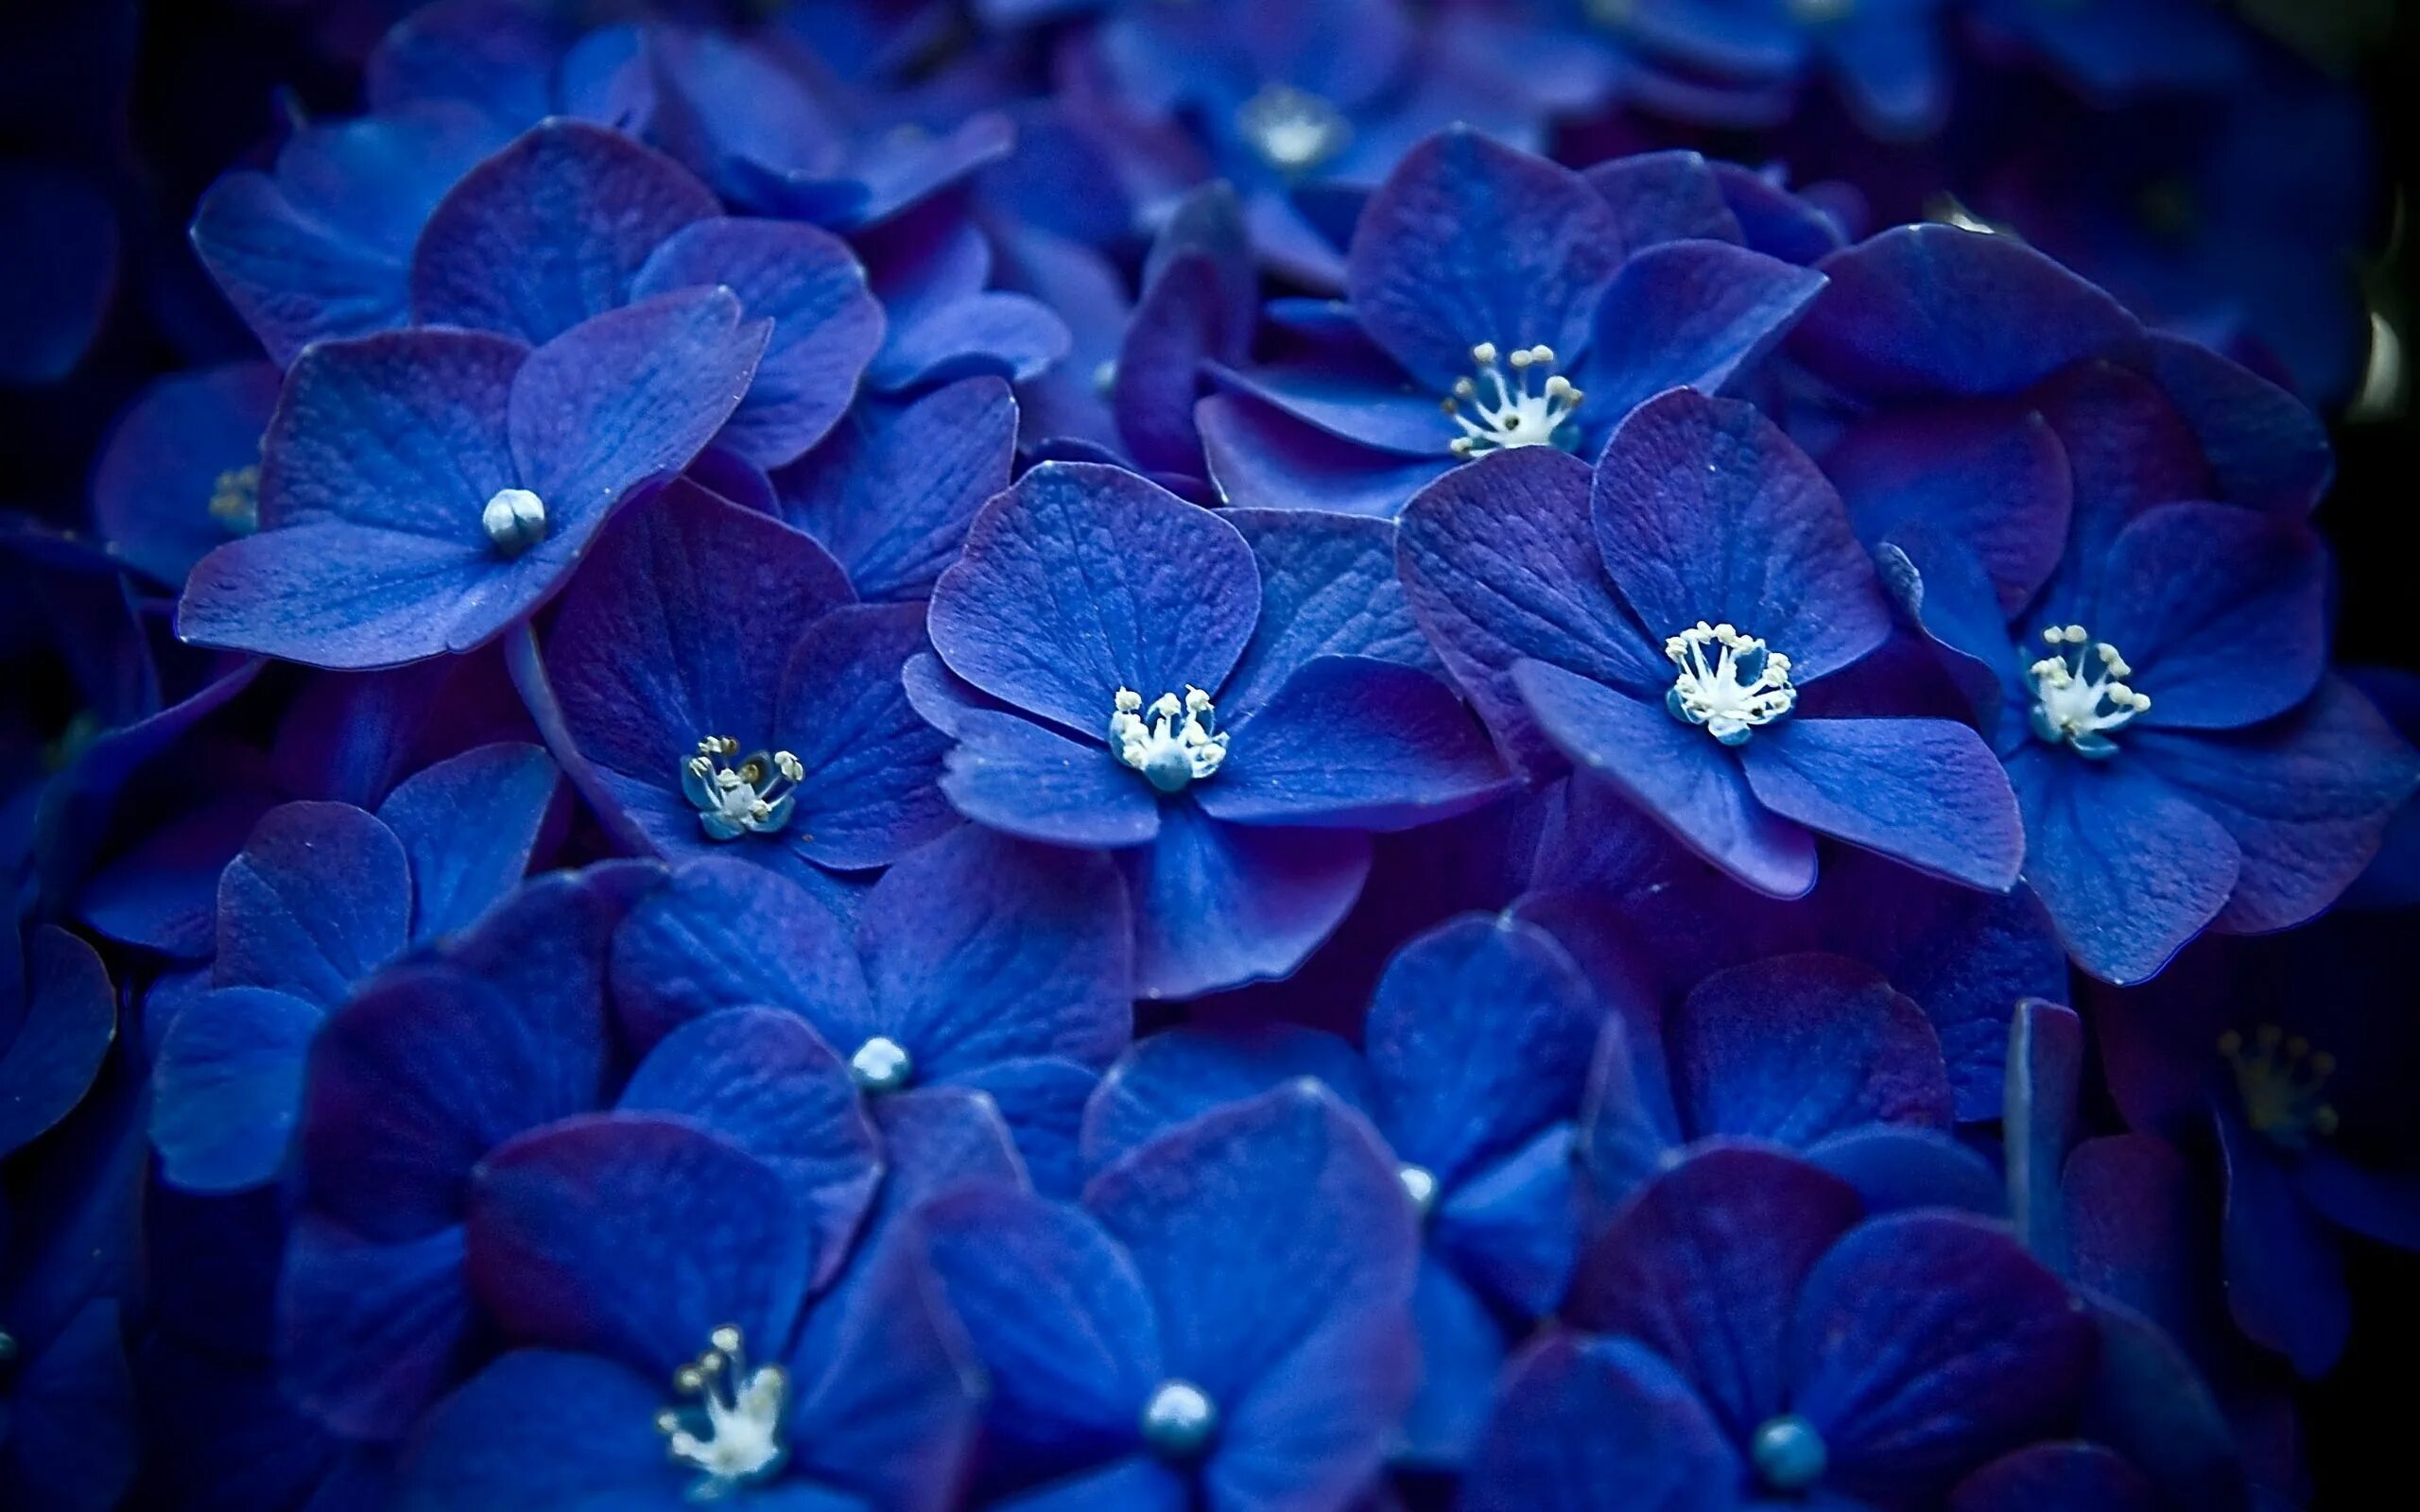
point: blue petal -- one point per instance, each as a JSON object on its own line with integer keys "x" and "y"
{"x": 1217, "y": 905}
{"x": 1799, "y": 1047}
{"x": 1698, "y": 314}
{"x": 1924, "y": 1343}
{"x": 549, "y": 232}
{"x": 1478, "y": 1037}
{"x": 1461, "y": 1354}
{"x": 1027, "y": 779}
{"x": 2219, "y": 610}
{"x": 1171, "y": 1079}
{"x": 872, "y": 764}
{"x": 892, "y": 493}
{"x": 2285, "y": 1271}
{"x": 2045, "y": 1075}
{"x": 68, "y": 1020}
{"x": 1992, "y": 477}
{"x": 1042, "y": 1099}
{"x": 369, "y": 1333}
{"x": 1665, "y": 197}
{"x": 1925, "y": 310}
{"x": 1925, "y": 792}
{"x": 72, "y": 1444}
{"x": 1328, "y": 587}
{"x": 227, "y": 1086}
{"x": 1085, "y": 579}
{"x": 469, "y": 824}
{"x": 155, "y": 482}
{"x": 1599, "y": 1425}
{"x": 635, "y": 1236}
{"x": 1893, "y": 1168}
{"x": 1414, "y": 754}
{"x": 319, "y": 898}
{"x": 1706, "y": 512}
{"x": 980, "y": 949}
{"x": 1060, "y": 1320}
{"x": 1469, "y": 242}
{"x": 1676, "y": 772}
{"x": 1278, "y": 1249}
{"x": 1513, "y": 1229}
{"x": 2044, "y": 1475}
{"x": 2269, "y": 451}
{"x": 721, "y": 934}
{"x": 760, "y": 1078}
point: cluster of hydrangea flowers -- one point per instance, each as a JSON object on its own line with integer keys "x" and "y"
{"x": 1094, "y": 758}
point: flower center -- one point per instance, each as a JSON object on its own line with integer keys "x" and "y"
{"x": 732, "y": 1436}
{"x": 515, "y": 520}
{"x": 1292, "y": 129}
{"x": 753, "y": 798}
{"x": 881, "y": 1065}
{"x": 2078, "y": 697}
{"x": 1789, "y": 1453}
{"x": 1420, "y": 1185}
{"x": 1727, "y": 681}
{"x": 236, "y": 499}
{"x": 2280, "y": 1078}
{"x": 1174, "y": 744}
{"x": 1179, "y": 1419}
{"x": 1510, "y": 411}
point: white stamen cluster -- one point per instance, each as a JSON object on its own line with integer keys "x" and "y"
{"x": 1173, "y": 744}
{"x": 2283, "y": 1083}
{"x": 1511, "y": 412}
{"x": 1736, "y": 688}
{"x": 2074, "y": 703}
{"x": 1293, "y": 130}
{"x": 753, "y": 797}
{"x": 236, "y": 499}
{"x": 733, "y": 1437}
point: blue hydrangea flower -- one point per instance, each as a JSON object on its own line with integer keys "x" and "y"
{"x": 493, "y": 466}
{"x": 1225, "y": 1314}
{"x": 977, "y": 962}
{"x": 1232, "y": 703}
{"x": 1657, "y": 625}
{"x": 1475, "y": 1056}
{"x": 322, "y": 896}
{"x": 1495, "y": 302}
{"x": 1743, "y": 1331}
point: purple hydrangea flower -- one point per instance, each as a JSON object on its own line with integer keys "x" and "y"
{"x": 1657, "y": 626}
{"x": 1475, "y": 1056}
{"x": 1497, "y": 301}
{"x": 421, "y": 491}
{"x": 1232, "y": 703}
{"x": 1745, "y": 1332}
{"x": 1227, "y": 1313}
{"x": 720, "y": 694}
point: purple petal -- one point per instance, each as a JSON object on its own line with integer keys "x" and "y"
{"x": 1893, "y": 1168}
{"x": 1469, "y": 242}
{"x": 2286, "y": 1282}
{"x": 161, "y": 472}
{"x": 2267, "y": 448}
{"x": 1680, "y": 776}
{"x": 1262, "y": 458}
{"x": 470, "y": 823}
{"x": 68, "y": 1018}
{"x": 826, "y": 325}
{"x": 2055, "y": 1475}
{"x": 1926, "y": 792}
{"x": 1328, "y": 587}
{"x": 1218, "y": 906}
{"x": 1665, "y": 197}
{"x": 1926, "y": 310}
{"x": 1924, "y": 1343}
{"x": 549, "y": 232}
{"x": 1599, "y": 1425}
{"x": 1169, "y": 1079}
{"x": 1704, "y": 1266}
{"x": 1704, "y": 511}
{"x": 368, "y": 1332}
{"x": 1026, "y": 780}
